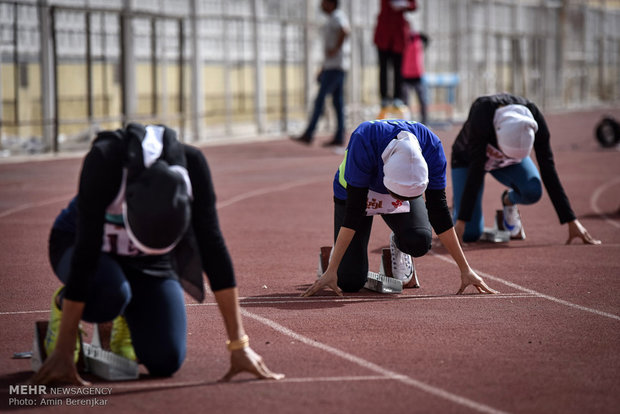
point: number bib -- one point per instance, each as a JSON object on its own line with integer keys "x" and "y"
{"x": 379, "y": 203}
{"x": 497, "y": 159}
{"x": 116, "y": 241}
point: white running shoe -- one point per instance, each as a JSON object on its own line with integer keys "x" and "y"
{"x": 402, "y": 263}
{"x": 512, "y": 219}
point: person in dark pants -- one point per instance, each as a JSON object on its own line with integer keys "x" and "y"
{"x": 333, "y": 73}
{"x": 498, "y": 137}
{"x": 388, "y": 165}
{"x": 142, "y": 229}
{"x": 390, "y": 38}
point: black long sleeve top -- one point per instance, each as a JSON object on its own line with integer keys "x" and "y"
{"x": 470, "y": 150}
{"x": 100, "y": 182}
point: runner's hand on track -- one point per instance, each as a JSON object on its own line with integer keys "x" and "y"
{"x": 329, "y": 279}
{"x": 246, "y": 360}
{"x": 471, "y": 278}
{"x": 58, "y": 369}
{"x": 576, "y": 230}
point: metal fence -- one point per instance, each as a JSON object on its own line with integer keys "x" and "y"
{"x": 225, "y": 69}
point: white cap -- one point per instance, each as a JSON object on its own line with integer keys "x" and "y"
{"x": 515, "y": 128}
{"x": 404, "y": 168}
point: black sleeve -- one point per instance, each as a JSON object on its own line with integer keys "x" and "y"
{"x": 355, "y": 206}
{"x": 99, "y": 183}
{"x": 481, "y": 134}
{"x": 548, "y": 173}
{"x": 438, "y": 211}
{"x": 216, "y": 261}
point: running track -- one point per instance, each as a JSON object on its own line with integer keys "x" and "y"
{"x": 549, "y": 343}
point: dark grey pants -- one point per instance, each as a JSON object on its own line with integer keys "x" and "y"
{"x": 412, "y": 232}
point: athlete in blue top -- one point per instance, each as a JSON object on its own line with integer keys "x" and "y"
{"x": 388, "y": 165}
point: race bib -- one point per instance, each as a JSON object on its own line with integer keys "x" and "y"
{"x": 497, "y": 159}
{"x": 378, "y": 203}
{"x": 116, "y": 241}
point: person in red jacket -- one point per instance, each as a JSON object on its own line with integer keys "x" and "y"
{"x": 413, "y": 71}
{"x": 390, "y": 38}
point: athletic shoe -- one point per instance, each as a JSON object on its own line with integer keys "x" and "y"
{"x": 332, "y": 143}
{"x": 401, "y": 110}
{"x": 402, "y": 263}
{"x": 512, "y": 219}
{"x": 302, "y": 139}
{"x": 53, "y": 326}
{"x": 120, "y": 339}
{"x": 383, "y": 113}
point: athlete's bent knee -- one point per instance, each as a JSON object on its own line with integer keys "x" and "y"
{"x": 532, "y": 192}
{"x": 416, "y": 243}
{"x": 165, "y": 365}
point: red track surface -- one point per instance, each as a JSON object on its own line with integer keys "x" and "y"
{"x": 548, "y": 343}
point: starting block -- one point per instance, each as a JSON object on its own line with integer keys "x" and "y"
{"x": 383, "y": 284}
{"x": 106, "y": 364}
{"x": 39, "y": 354}
{"x": 378, "y": 282}
{"x": 93, "y": 357}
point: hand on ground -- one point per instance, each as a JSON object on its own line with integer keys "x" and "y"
{"x": 58, "y": 369}
{"x": 246, "y": 360}
{"x": 471, "y": 278}
{"x": 329, "y": 279}
{"x": 576, "y": 230}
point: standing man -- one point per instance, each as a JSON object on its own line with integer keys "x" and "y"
{"x": 331, "y": 78}
{"x": 497, "y": 137}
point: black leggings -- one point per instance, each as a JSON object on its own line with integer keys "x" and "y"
{"x": 393, "y": 61}
{"x": 413, "y": 235}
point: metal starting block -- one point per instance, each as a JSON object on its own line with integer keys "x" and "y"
{"x": 324, "y": 256}
{"x": 494, "y": 235}
{"x": 39, "y": 354}
{"x": 94, "y": 358}
{"x": 381, "y": 282}
{"x": 106, "y": 364}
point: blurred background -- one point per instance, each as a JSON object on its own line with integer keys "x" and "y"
{"x": 233, "y": 70}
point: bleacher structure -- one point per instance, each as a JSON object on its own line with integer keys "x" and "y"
{"x": 239, "y": 68}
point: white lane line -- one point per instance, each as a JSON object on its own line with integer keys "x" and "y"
{"x": 274, "y": 300}
{"x": 335, "y": 379}
{"x": 34, "y": 205}
{"x": 438, "y": 392}
{"x": 135, "y": 386}
{"x": 533, "y": 292}
{"x": 219, "y": 205}
{"x": 24, "y": 312}
{"x": 381, "y": 297}
{"x": 266, "y": 190}
{"x": 594, "y": 201}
